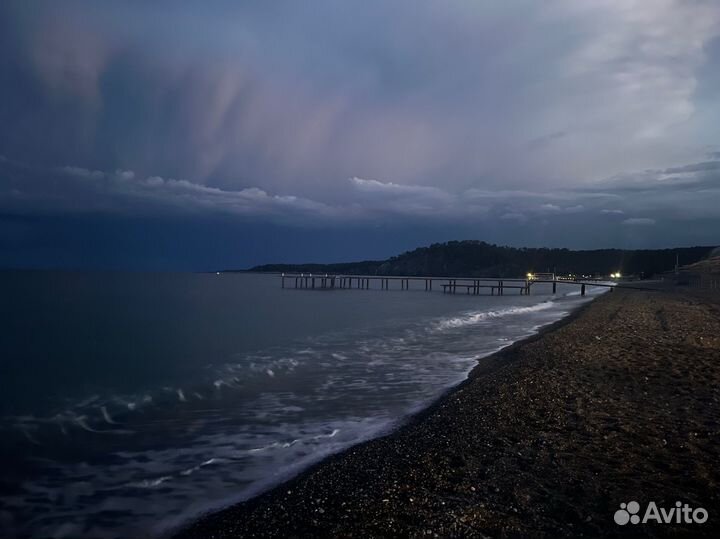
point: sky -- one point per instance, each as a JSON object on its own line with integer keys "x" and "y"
{"x": 222, "y": 134}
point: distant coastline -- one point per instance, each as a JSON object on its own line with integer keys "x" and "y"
{"x": 480, "y": 259}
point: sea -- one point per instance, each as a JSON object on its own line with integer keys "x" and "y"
{"x": 131, "y": 403}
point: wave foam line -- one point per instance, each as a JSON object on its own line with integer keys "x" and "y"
{"x": 474, "y": 318}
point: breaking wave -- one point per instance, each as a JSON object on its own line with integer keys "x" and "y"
{"x": 469, "y": 319}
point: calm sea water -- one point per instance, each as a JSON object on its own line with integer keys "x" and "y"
{"x": 132, "y": 402}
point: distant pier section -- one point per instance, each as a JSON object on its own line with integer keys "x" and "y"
{"x": 449, "y": 285}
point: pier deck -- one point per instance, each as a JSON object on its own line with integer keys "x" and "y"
{"x": 449, "y": 285}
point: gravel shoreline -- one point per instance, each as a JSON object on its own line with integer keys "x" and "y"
{"x": 618, "y": 402}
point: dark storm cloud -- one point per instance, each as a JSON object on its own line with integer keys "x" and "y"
{"x": 498, "y": 120}
{"x": 286, "y": 96}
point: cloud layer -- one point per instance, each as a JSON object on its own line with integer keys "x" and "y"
{"x": 684, "y": 194}
{"x": 234, "y": 94}
{"x": 507, "y": 121}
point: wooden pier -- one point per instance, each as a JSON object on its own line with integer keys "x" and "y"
{"x": 449, "y": 285}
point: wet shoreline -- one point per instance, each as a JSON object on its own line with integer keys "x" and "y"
{"x": 618, "y": 401}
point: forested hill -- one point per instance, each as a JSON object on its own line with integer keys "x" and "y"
{"x": 480, "y": 259}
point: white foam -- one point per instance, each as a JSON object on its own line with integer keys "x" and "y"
{"x": 573, "y": 293}
{"x": 476, "y": 317}
{"x": 194, "y": 469}
{"x": 282, "y": 445}
{"x": 331, "y": 435}
{"x": 106, "y": 416}
{"x": 292, "y": 409}
{"x": 82, "y": 423}
{"x": 149, "y": 483}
